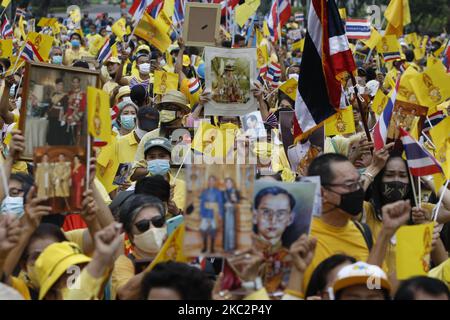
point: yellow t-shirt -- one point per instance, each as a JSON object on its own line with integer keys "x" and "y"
{"x": 76, "y": 236}
{"x": 108, "y": 163}
{"x": 122, "y": 273}
{"x": 442, "y": 272}
{"x": 335, "y": 240}
{"x": 21, "y": 287}
{"x": 70, "y": 55}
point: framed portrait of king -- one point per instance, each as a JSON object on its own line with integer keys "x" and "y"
{"x": 54, "y": 106}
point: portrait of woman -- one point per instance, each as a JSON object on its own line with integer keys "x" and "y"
{"x": 232, "y": 198}
{"x": 77, "y": 176}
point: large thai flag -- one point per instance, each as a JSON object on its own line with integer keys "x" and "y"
{"x": 6, "y": 29}
{"x": 380, "y": 131}
{"x": 420, "y": 161}
{"x": 279, "y": 14}
{"x": 326, "y": 59}
{"x": 137, "y": 9}
{"x": 357, "y": 28}
{"x": 30, "y": 53}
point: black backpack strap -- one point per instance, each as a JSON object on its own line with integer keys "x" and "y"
{"x": 128, "y": 69}
{"x": 366, "y": 232}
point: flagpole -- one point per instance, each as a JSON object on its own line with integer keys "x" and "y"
{"x": 413, "y": 187}
{"x": 440, "y": 200}
{"x": 419, "y": 192}
{"x": 88, "y": 161}
{"x": 360, "y": 107}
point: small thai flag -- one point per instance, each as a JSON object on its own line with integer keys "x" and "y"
{"x": 155, "y": 8}
{"x": 273, "y": 74}
{"x": 380, "y": 130}
{"x": 194, "y": 85}
{"x": 6, "y": 29}
{"x": 21, "y": 12}
{"x": 420, "y": 161}
{"x": 30, "y": 53}
{"x": 432, "y": 121}
{"x": 357, "y": 29}
{"x": 299, "y": 17}
{"x": 389, "y": 56}
{"x": 106, "y": 51}
{"x": 137, "y": 9}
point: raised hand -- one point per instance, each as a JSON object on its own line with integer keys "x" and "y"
{"x": 302, "y": 252}
{"x": 34, "y": 210}
{"x": 395, "y": 215}
{"x": 17, "y": 145}
{"x": 10, "y": 230}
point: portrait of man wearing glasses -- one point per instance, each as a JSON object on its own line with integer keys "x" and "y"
{"x": 273, "y": 213}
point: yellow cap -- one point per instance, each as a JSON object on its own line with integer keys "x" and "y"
{"x": 186, "y": 61}
{"x": 143, "y": 47}
{"x": 112, "y": 59}
{"x": 54, "y": 261}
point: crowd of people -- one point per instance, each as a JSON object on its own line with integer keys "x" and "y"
{"x": 109, "y": 250}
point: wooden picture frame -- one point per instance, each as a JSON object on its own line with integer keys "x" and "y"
{"x": 202, "y": 24}
{"x": 40, "y": 113}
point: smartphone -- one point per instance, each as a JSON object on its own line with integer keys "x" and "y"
{"x": 173, "y": 224}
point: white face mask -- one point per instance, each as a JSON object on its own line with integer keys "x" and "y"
{"x": 18, "y": 102}
{"x": 150, "y": 242}
{"x": 144, "y": 68}
{"x": 293, "y": 75}
{"x": 13, "y": 206}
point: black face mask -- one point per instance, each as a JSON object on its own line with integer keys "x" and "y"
{"x": 352, "y": 202}
{"x": 393, "y": 191}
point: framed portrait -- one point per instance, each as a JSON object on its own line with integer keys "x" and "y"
{"x": 229, "y": 77}
{"x": 202, "y": 24}
{"x": 218, "y": 219}
{"x": 282, "y": 212}
{"x": 54, "y": 106}
{"x": 253, "y": 125}
{"x": 122, "y": 174}
{"x": 60, "y": 175}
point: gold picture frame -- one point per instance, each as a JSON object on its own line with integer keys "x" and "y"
{"x": 202, "y": 24}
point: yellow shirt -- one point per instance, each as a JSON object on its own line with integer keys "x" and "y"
{"x": 90, "y": 287}
{"x": 70, "y": 55}
{"x": 335, "y": 240}
{"x": 442, "y": 272}
{"x": 21, "y": 287}
{"x": 76, "y": 236}
{"x": 127, "y": 147}
{"x": 122, "y": 273}
{"x": 108, "y": 163}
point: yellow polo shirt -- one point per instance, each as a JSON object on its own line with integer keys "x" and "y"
{"x": 442, "y": 272}
{"x": 335, "y": 240}
{"x": 127, "y": 146}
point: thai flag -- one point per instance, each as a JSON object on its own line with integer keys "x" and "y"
{"x": 137, "y": 9}
{"x": 6, "y": 29}
{"x": 273, "y": 74}
{"x": 194, "y": 86}
{"x": 30, "y": 53}
{"x": 357, "y": 28}
{"x": 420, "y": 161}
{"x": 326, "y": 59}
{"x": 299, "y": 17}
{"x": 21, "y": 12}
{"x": 272, "y": 21}
{"x": 432, "y": 121}
{"x": 155, "y": 8}
{"x": 380, "y": 130}
{"x": 106, "y": 51}
{"x": 178, "y": 14}
{"x": 389, "y": 56}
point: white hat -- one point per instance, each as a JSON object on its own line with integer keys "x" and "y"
{"x": 361, "y": 273}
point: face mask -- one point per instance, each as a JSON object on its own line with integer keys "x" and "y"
{"x": 166, "y": 116}
{"x": 293, "y": 76}
{"x": 57, "y": 59}
{"x": 144, "y": 68}
{"x": 352, "y": 202}
{"x": 394, "y": 191}
{"x": 128, "y": 121}
{"x": 13, "y": 205}
{"x": 150, "y": 241}
{"x": 158, "y": 166}
{"x": 75, "y": 43}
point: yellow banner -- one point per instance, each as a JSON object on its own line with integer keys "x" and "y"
{"x": 42, "y": 42}
{"x": 99, "y": 118}
{"x": 341, "y": 123}
{"x": 164, "y": 82}
{"x": 246, "y": 10}
{"x": 440, "y": 134}
{"x": 152, "y": 32}
{"x": 290, "y": 88}
{"x": 413, "y": 250}
{"x": 6, "y": 48}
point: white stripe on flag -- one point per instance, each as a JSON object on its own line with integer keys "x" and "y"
{"x": 338, "y": 44}
{"x": 315, "y": 30}
{"x": 304, "y": 117}
{"x": 422, "y": 162}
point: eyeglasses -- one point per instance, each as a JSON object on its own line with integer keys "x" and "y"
{"x": 15, "y": 192}
{"x": 269, "y": 213}
{"x": 144, "y": 225}
{"x": 352, "y": 186}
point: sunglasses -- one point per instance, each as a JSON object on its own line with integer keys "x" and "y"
{"x": 144, "y": 225}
